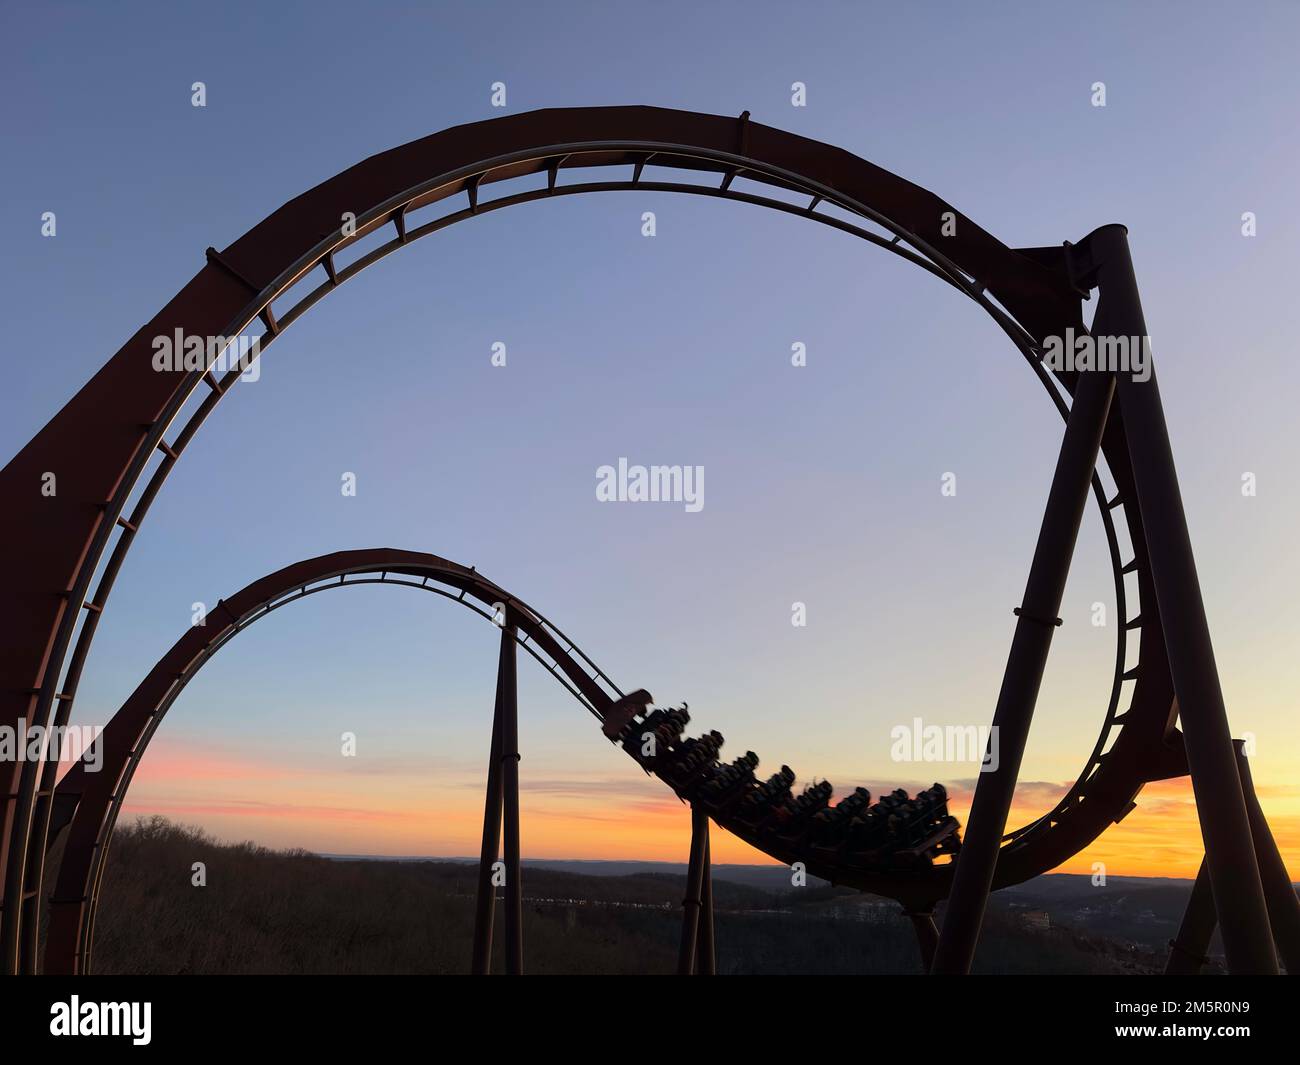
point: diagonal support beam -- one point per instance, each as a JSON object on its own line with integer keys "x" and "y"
{"x": 485, "y": 901}
{"x": 1279, "y": 892}
{"x": 509, "y": 705}
{"x": 706, "y": 953}
{"x": 1220, "y": 805}
{"x": 927, "y": 934}
{"x": 1188, "y": 949}
{"x": 693, "y": 902}
{"x": 1036, "y": 622}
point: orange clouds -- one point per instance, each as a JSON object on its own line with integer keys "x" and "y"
{"x": 409, "y": 810}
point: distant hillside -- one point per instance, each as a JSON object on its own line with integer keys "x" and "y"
{"x": 266, "y": 911}
{"x": 767, "y": 877}
{"x": 1144, "y": 911}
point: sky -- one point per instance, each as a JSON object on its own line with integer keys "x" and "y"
{"x": 823, "y": 482}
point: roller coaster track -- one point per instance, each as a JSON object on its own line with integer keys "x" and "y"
{"x": 88, "y": 802}
{"x": 114, "y": 444}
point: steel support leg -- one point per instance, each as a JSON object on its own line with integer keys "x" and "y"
{"x": 927, "y": 935}
{"x": 1279, "y": 892}
{"x": 694, "y": 889}
{"x": 510, "y": 802}
{"x": 1220, "y": 806}
{"x": 977, "y": 860}
{"x": 485, "y": 902}
{"x": 706, "y": 958}
{"x": 1188, "y": 949}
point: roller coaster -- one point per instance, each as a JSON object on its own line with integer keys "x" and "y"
{"x": 113, "y": 445}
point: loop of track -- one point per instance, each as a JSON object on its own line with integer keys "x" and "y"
{"x": 1029, "y": 293}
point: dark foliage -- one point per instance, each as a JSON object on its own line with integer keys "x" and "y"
{"x": 265, "y": 911}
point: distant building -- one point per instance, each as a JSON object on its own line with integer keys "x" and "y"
{"x": 1038, "y": 920}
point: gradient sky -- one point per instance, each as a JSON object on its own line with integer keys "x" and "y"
{"x": 822, "y": 483}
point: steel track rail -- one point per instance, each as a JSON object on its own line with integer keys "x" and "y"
{"x": 130, "y": 731}
{"x": 1022, "y": 315}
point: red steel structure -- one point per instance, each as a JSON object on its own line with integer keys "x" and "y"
{"x": 89, "y": 802}
{"x": 112, "y": 446}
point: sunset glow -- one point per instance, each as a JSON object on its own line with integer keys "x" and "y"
{"x": 600, "y": 818}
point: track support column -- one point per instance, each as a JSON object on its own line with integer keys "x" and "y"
{"x": 1279, "y": 892}
{"x": 485, "y": 901}
{"x": 706, "y": 957}
{"x": 506, "y": 678}
{"x": 1037, "y": 621}
{"x": 1220, "y": 806}
{"x": 927, "y": 934}
{"x": 693, "y": 902}
{"x": 1188, "y": 949}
